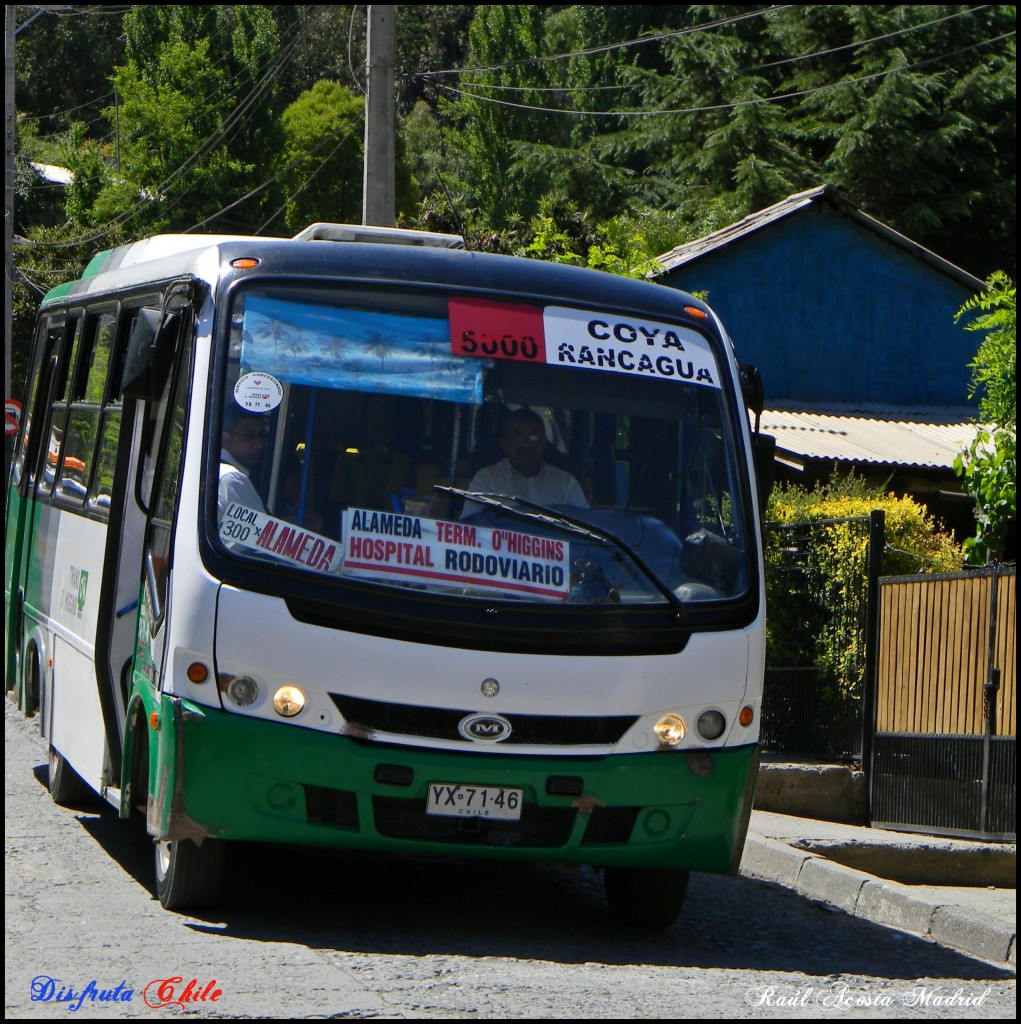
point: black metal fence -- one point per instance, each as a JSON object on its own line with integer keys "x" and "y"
{"x": 945, "y": 785}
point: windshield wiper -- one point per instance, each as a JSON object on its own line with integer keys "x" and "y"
{"x": 534, "y": 512}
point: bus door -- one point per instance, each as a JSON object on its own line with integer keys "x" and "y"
{"x": 137, "y": 555}
{"x": 22, "y": 512}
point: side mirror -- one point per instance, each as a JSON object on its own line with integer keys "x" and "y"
{"x": 753, "y": 394}
{"x": 751, "y": 389}
{"x": 765, "y": 467}
{"x": 150, "y": 353}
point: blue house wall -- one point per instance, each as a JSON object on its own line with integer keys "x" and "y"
{"x": 831, "y": 311}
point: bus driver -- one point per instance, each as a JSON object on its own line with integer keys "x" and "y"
{"x": 523, "y": 473}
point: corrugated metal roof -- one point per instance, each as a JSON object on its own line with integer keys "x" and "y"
{"x": 924, "y": 438}
{"x": 691, "y": 251}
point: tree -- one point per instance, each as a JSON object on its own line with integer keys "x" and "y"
{"x": 989, "y": 466}
{"x": 197, "y": 114}
{"x": 87, "y": 39}
{"x": 910, "y": 110}
{"x": 322, "y": 156}
{"x": 504, "y": 44}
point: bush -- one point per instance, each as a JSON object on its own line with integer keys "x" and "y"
{"x": 816, "y": 586}
{"x": 914, "y": 541}
{"x": 988, "y": 468}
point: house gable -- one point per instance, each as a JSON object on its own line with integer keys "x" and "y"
{"x": 834, "y": 307}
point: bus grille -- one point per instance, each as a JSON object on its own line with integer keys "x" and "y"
{"x": 442, "y": 723}
{"x": 325, "y": 806}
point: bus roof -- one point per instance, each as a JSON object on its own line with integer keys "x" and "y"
{"x": 404, "y": 257}
{"x": 162, "y": 247}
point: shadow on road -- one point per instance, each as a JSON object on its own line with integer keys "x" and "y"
{"x": 369, "y": 903}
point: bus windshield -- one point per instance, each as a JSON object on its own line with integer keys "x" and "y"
{"x": 478, "y": 449}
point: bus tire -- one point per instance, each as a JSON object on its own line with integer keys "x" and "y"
{"x": 645, "y": 897}
{"x": 66, "y": 785}
{"x": 188, "y": 875}
{"x": 32, "y": 684}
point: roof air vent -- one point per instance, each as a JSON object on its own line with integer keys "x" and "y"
{"x": 369, "y": 233}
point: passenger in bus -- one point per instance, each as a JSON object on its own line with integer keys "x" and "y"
{"x": 295, "y": 509}
{"x": 242, "y": 443}
{"x": 524, "y": 473}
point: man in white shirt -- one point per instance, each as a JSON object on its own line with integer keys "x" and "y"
{"x": 242, "y": 444}
{"x": 524, "y": 473}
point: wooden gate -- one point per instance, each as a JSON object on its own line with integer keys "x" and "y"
{"x": 945, "y": 706}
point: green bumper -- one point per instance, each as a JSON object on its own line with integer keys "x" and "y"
{"x": 224, "y": 775}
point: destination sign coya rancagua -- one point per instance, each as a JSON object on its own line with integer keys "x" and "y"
{"x": 583, "y": 339}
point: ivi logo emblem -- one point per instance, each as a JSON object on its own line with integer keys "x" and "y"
{"x": 484, "y": 728}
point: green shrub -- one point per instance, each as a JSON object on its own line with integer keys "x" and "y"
{"x": 816, "y": 594}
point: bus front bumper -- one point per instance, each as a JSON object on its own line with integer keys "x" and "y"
{"x": 226, "y": 776}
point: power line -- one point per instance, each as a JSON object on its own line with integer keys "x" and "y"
{"x": 224, "y": 132}
{"x": 86, "y": 10}
{"x": 747, "y": 70}
{"x": 344, "y": 136}
{"x": 608, "y": 47}
{"x": 868, "y": 42}
{"x": 326, "y": 159}
{"x": 798, "y": 94}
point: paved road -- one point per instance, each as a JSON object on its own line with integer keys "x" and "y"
{"x": 313, "y": 936}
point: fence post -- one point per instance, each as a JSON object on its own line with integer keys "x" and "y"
{"x": 877, "y": 542}
{"x": 992, "y": 684}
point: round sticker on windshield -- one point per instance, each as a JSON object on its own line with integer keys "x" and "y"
{"x": 258, "y": 392}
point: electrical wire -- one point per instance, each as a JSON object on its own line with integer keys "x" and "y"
{"x": 609, "y": 47}
{"x": 867, "y": 42}
{"x": 744, "y": 71}
{"x": 344, "y": 136}
{"x": 246, "y": 108}
{"x": 224, "y": 132}
{"x": 798, "y": 94}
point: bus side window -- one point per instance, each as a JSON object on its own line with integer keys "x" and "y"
{"x": 162, "y": 523}
{"x": 88, "y": 389}
{"x": 54, "y": 423}
{"x": 46, "y": 344}
{"x": 101, "y": 488}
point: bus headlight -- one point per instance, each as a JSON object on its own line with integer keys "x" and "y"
{"x": 243, "y": 690}
{"x": 711, "y": 725}
{"x": 288, "y": 701}
{"x": 670, "y": 729}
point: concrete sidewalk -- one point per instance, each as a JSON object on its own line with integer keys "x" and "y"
{"x": 911, "y": 882}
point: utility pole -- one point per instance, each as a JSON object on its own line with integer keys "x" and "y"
{"x": 378, "y": 202}
{"x": 9, "y": 134}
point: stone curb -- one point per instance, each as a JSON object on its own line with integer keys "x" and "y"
{"x": 877, "y": 900}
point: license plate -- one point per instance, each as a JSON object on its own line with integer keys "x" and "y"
{"x": 474, "y": 801}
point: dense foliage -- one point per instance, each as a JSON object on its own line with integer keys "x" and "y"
{"x": 989, "y": 467}
{"x": 914, "y": 541}
{"x": 712, "y": 112}
{"x": 817, "y": 550}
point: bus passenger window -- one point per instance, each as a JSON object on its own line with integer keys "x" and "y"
{"x": 87, "y": 387}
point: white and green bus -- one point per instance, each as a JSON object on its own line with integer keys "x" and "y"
{"x": 363, "y": 540}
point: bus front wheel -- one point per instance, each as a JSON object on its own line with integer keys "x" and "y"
{"x": 645, "y": 897}
{"x": 188, "y": 875}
